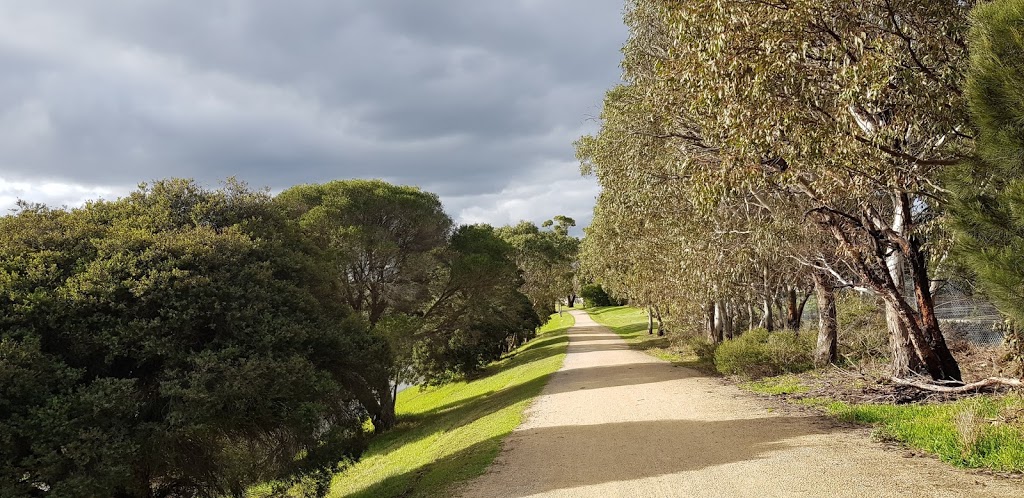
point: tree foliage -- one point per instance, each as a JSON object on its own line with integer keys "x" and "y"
{"x": 548, "y": 259}
{"x": 180, "y": 319}
{"x": 988, "y": 212}
{"x": 444, "y": 300}
{"x": 191, "y": 342}
{"x": 755, "y": 145}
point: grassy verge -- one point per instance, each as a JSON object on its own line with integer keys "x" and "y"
{"x": 631, "y": 324}
{"x": 775, "y": 386}
{"x": 982, "y": 432}
{"x": 452, "y": 433}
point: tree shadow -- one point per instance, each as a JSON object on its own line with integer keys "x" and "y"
{"x": 432, "y": 478}
{"x": 566, "y": 457}
{"x": 628, "y": 374}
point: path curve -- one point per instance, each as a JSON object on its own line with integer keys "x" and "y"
{"x": 618, "y": 422}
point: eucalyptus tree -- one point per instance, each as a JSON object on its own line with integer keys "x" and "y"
{"x": 666, "y": 230}
{"x": 855, "y": 106}
{"x": 548, "y": 258}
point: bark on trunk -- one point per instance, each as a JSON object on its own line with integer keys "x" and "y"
{"x": 650, "y": 321}
{"x": 730, "y": 320}
{"x": 828, "y": 337}
{"x": 943, "y": 365}
{"x": 766, "y": 318}
{"x": 661, "y": 323}
{"x": 792, "y": 317}
{"x": 719, "y": 322}
{"x": 571, "y": 299}
{"x": 904, "y": 359}
{"x": 709, "y": 321}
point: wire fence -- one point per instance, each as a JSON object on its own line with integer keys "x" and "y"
{"x": 965, "y": 315}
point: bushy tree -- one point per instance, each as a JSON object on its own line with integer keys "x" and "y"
{"x": 548, "y": 258}
{"x": 176, "y": 342}
{"x": 443, "y": 299}
{"x": 477, "y": 313}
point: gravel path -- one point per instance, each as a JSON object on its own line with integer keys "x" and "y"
{"x": 618, "y": 422}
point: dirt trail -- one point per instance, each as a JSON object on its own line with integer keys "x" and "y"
{"x": 618, "y": 422}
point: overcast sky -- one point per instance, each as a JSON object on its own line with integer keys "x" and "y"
{"x": 476, "y": 100}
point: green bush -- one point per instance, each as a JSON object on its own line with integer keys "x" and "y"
{"x": 595, "y": 295}
{"x": 759, "y": 353}
{"x": 177, "y": 342}
{"x": 703, "y": 348}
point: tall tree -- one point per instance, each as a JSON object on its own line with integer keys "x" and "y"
{"x": 853, "y": 107}
{"x": 384, "y": 241}
{"x": 436, "y": 295}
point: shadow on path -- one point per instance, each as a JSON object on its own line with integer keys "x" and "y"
{"x": 603, "y": 453}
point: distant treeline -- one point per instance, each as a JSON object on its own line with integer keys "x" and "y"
{"x": 183, "y": 341}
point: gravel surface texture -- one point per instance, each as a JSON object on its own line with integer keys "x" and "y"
{"x": 617, "y": 422}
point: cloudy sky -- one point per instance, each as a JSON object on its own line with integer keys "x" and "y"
{"x": 476, "y": 100}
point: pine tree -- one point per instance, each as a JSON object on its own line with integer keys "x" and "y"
{"x": 988, "y": 212}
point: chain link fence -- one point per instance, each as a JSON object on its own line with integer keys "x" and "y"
{"x": 965, "y": 315}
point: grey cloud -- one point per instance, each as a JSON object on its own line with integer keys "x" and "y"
{"x": 476, "y": 100}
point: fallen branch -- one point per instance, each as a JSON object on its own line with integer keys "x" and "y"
{"x": 992, "y": 381}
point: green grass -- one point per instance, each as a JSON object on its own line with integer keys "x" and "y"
{"x": 775, "y": 386}
{"x": 981, "y": 432}
{"x": 984, "y": 432}
{"x": 449, "y": 434}
{"x": 631, "y": 324}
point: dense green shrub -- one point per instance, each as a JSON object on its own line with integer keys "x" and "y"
{"x": 177, "y": 342}
{"x": 595, "y": 295}
{"x": 703, "y": 348}
{"x": 759, "y": 353}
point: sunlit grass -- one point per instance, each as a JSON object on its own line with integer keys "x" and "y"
{"x": 449, "y": 434}
{"x": 982, "y": 432}
{"x": 985, "y": 432}
{"x": 775, "y": 386}
{"x": 631, "y": 325}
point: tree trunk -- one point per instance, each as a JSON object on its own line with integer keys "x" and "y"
{"x": 709, "y": 321}
{"x": 943, "y": 366}
{"x": 730, "y": 320}
{"x": 571, "y": 299}
{"x": 766, "y": 318}
{"x": 661, "y": 323}
{"x": 792, "y": 317}
{"x": 828, "y": 337}
{"x": 916, "y": 340}
{"x": 904, "y": 359}
{"x": 719, "y": 322}
{"x": 650, "y": 321}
